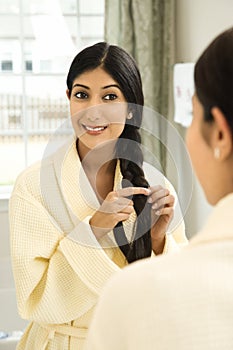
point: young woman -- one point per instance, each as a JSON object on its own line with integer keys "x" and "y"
{"x": 88, "y": 209}
{"x": 188, "y": 297}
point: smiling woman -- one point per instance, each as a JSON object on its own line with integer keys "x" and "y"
{"x": 89, "y": 209}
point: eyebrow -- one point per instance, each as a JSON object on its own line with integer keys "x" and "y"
{"x": 111, "y": 85}
{"x": 105, "y": 87}
{"x": 81, "y": 85}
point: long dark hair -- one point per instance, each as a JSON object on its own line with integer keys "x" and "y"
{"x": 123, "y": 69}
{"x": 213, "y": 77}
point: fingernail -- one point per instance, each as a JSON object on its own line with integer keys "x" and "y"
{"x": 154, "y": 206}
{"x": 149, "y": 200}
{"x": 158, "y": 212}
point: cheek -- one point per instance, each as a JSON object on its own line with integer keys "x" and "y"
{"x": 200, "y": 156}
{"x": 196, "y": 148}
{"x": 190, "y": 141}
{"x": 118, "y": 127}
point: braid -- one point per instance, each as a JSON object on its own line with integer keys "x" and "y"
{"x": 129, "y": 152}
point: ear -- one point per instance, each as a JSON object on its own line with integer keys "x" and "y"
{"x": 68, "y": 93}
{"x": 130, "y": 115}
{"x": 222, "y": 137}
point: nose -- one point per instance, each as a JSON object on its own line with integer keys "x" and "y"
{"x": 94, "y": 111}
{"x": 93, "y": 117}
{"x": 93, "y": 114}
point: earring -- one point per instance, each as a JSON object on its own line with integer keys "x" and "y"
{"x": 130, "y": 115}
{"x": 216, "y": 153}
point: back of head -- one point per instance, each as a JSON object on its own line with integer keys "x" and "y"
{"x": 214, "y": 76}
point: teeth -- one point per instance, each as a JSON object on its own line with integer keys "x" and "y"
{"x": 100, "y": 128}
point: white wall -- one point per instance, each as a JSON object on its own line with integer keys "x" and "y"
{"x": 197, "y": 23}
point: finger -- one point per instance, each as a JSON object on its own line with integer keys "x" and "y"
{"x": 122, "y": 217}
{"x": 122, "y": 201}
{"x": 167, "y": 201}
{"x": 165, "y": 211}
{"x": 155, "y": 196}
{"x": 156, "y": 188}
{"x": 117, "y": 206}
{"x": 162, "y": 192}
{"x": 131, "y": 191}
{"x": 127, "y": 210}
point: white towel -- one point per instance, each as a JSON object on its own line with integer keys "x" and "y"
{"x": 183, "y": 84}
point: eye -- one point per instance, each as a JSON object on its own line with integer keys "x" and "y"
{"x": 110, "y": 97}
{"x": 81, "y": 95}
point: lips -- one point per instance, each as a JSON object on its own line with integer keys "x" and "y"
{"x": 94, "y": 129}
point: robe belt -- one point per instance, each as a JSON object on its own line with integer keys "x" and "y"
{"x": 68, "y": 330}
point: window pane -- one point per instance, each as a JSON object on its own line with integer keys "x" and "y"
{"x": 51, "y": 42}
{"x": 11, "y": 118}
{"x": 46, "y": 104}
{"x": 91, "y": 7}
{"x": 7, "y": 6}
{"x": 10, "y": 55}
{"x": 10, "y": 26}
{"x": 49, "y": 6}
{"x": 34, "y": 60}
{"x": 7, "y": 65}
{"x": 68, "y": 6}
{"x": 92, "y": 26}
{"x": 12, "y": 155}
{"x": 90, "y": 41}
{"x": 40, "y": 6}
{"x": 47, "y": 112}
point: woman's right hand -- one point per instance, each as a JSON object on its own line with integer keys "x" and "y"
{"x": 115, "y": 208}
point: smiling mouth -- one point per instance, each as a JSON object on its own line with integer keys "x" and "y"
{"x": 94, "y": 128}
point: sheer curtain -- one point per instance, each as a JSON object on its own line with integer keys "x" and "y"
{"x": 145, "y": 29}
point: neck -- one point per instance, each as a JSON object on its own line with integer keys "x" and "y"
{"x": 102, "y": 157}
{"x": 223, "y": 184}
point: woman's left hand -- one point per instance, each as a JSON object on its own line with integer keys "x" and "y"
{"x": 162, "y": 211}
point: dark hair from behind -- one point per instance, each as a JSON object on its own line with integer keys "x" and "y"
{"x": 123, "y": 69}
{"x": 213, "y": 76}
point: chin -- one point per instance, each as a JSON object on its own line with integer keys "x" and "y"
{"x": 212, "y": 199}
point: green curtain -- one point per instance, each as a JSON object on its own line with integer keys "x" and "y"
{"x": 146, "y": 30}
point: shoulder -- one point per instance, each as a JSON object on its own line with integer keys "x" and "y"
{"x": 30, "y": 178}
{"x": 53, "y": 154}
{"x": 44, "y": 176}
{"x": 159, "y": 276}
{"x": 141, "y": 293}
{"x": 27, "y": 175}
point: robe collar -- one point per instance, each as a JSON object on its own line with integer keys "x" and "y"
{"x": 219, "y": 225}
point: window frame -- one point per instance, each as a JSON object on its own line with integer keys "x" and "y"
{"x": 23, "y": 74}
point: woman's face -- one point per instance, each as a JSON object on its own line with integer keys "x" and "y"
{"x": 98, "y": 108}
{"x": 198, "y": 142}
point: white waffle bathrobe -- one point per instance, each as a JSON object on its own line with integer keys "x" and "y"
{"x": 59, "y": 267}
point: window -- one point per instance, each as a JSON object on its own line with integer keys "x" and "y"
{"x": 28, "y": 65}
{"x": 38, "y": 41}
{"x": 7, "y": 65}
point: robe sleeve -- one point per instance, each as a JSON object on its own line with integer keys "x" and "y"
{"x": 57, "y": 279}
